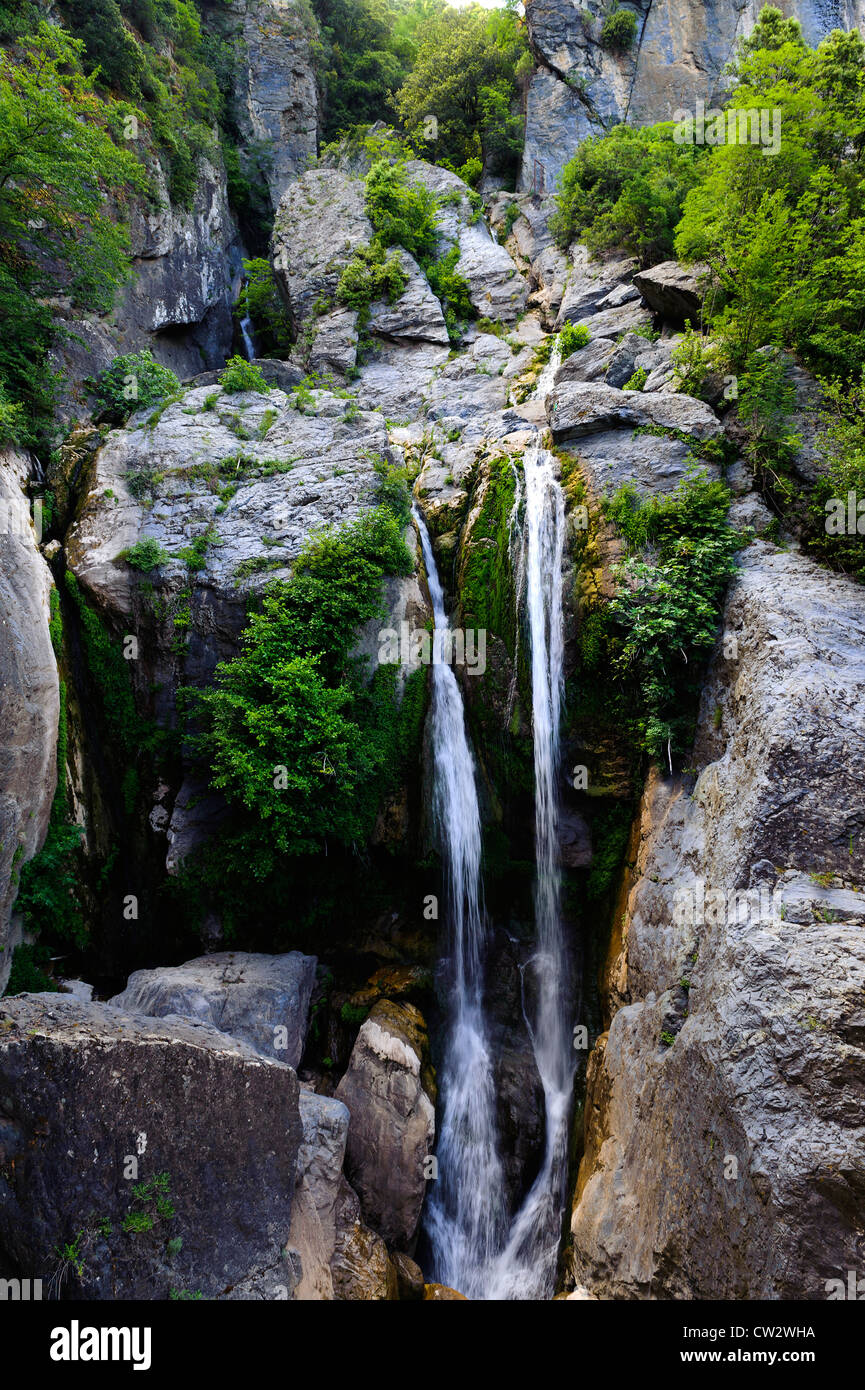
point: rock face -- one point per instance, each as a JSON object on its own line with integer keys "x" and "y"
{"x": 386, "y": 1089}
{"x": 575, "y": 409}
{"x": 29, "y": 692}
{"x": 673, "y": 290}
{"x": 678, "y": 57}
{"x": 277, "y": 96}
{"x": 186, "y": 269}
{"x": 725, "y": 1114}
{"x": 261, "y": 1000}
{"x": 314, "y": 1231}
{"x": 94, "y": 1103}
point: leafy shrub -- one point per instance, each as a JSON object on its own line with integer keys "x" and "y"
{"x": 627, "y": 189}
{"x": 294, "y": 687}
{"x": 146, "y": 555}
{"x": 13, "y": 419}
{"x": 694, "y": 359}
{"x": 573, "y": 337}
{"x": 134, "y": 382}
{"x": 637, "y": 381}
{"x": 240, "y": 375}
{"x": 402, "y": 213}
{"x": 371, "y": 275}
{"x": 619, "y": 30}
{"x": 451, "y": 289}
{"x": 842, "y": 449}
{"x": 665, "y": 612}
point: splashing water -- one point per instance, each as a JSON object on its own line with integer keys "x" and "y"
{"x": 465, "y": 1213}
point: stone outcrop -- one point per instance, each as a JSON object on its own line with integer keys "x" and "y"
{"x": 725, "y": 1110}
{"x": 95, "y": 1106}
{"x": 674, "y": 291}
{"x": 678, "y": 57}
{"x": 276, "y": 93}
{"x": 387, "y": 1091}
{"x": 578, "y": 408}
{"x": 29, "y": 692}
{"x": 261, "y": 1000}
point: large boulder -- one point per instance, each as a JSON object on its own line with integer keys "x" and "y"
{"x": 387, "y": 1090}
{"x": 674, "y": 291}
{"x": 726, "y": 1105}
{"x": 578, "y": 408}
{"x": 262, "y": 1000}
{"x": 96, "y": 1105}
{"x": 319, "y": 1178}
{"x": 29, "y": 692}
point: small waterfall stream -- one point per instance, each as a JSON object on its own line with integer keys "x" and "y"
{"x": 473, "y": 1250}
{"x": 465, "y": 1215}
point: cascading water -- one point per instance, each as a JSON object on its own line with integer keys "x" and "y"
{"x": 465, "y": 1215}
{"x": 526, "y": 1267}
{"x": 473, "y": 1250}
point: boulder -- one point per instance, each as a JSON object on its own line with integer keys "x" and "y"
{"x": 313, "y": 1233}
{"x": 417, "y": 314}
{"x": 29, "y": 692}
{"x": 96, "y": 1105}
{"x": 361, "y": 1267}
{"x": 725, "y": 1118}
{"x": 409, "y": 1278}
{"x": 387, "y": 1090}
{"x": 319, "y": 222}
{"x": 622, "y": 364}
{"x": 674, "y": 291}
{"x": 576, "y": 409}
{"x": 590, "y": 282}
{"x": 655, "y": 466}
{"x": 587, "y": 363}
{"x": 262, "y": 1000}
{"x": 440, "y": 1293}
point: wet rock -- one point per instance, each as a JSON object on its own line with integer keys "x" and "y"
{"x": 361, "y": 1267}
{"x": 387, "y": 1091}
{"x": 29, "y": 692}
{"x": 101, "y": 1100}
{"x": 409, "y": 1278}
{"x": 440, "y": 1293}
{"x": 261, "y": 1000}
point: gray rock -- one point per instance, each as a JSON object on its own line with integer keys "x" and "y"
{"x": 261, "y": 1000}
{"x": 623, "y": 362}
{"x": 578, "y": 408}
{"x": 611, "y": 323}
{"x": 587, "y": 363}
{"x": 729, "y": 1163}
{"x": 751, "y": 511}
{"x": 334, "y": 346}
{"x": 392, "y": 1120}
{"x": 95, "y": 1101}
{"x": 589, "y": 283}
{"x": 674, "y": 291}
{"x": 277, "y": 95}
{"x": 655, "y": 466}
{"x": 417, "y": 314}
{"x": 29, "y": 692}
{"x": 320, "y": 221}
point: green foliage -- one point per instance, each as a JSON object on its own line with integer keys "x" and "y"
{"x": 27, "y": 975}
{"x": 134, "y": 382}
{"x": 637, "y": 381}
{"x": 664, "y": 615}
{"x": 619, "y": 30}
{"x": 402, "y": 213}
{"x": 146, "y": 555}
{"x": 784, "y": 234}
{"x": 694, "y": 359}
{"x": 451, "y": 289}
{"x": 370, "y": 275}
{"x": 261, "y": 300}
{"x": 842, "y": 449}
{"x": 767, "y": 398}
{"x": 627, "y": 189}
{"x": 240, "y": 375}
{"x": 293, "y": 735}
{"x": 13, "y": 419}
{"x": 60, "y": 167}
{"x": 573, "y": 337}
{"x": 468, "y": 75}
{"x": 47, "y": 893}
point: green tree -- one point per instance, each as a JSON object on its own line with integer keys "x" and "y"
{"x": 467, "y": 75}
{"x": 59, "y": 164}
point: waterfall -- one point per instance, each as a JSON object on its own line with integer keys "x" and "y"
{"x": 465, "y": 1213}
{"x": 526, "y": 1267}
{"x": 246, "y": 334}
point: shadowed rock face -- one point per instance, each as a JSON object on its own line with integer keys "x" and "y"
{"x": 725, "y": 1159}
{"x": 84, "y": 1088}
{"x": 678, "y": 57}
{"x": 29, "y": 692}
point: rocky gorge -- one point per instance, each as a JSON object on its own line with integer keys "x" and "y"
{"x": 258, "y": 1044}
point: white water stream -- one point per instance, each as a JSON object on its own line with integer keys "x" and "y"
{"x": 473, "y": 1251}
